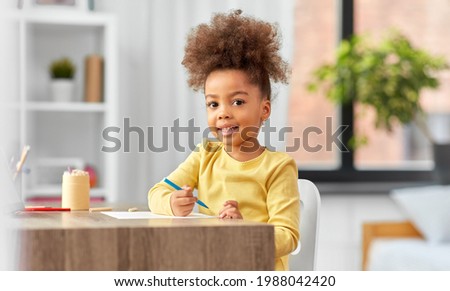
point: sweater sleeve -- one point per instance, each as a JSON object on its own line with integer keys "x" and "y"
{"x": 283, "y": 204}
{"x": 185, "y": 174}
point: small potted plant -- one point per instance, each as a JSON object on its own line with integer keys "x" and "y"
{"x": 62, "y": 73}
{"x": 388, "y": 78}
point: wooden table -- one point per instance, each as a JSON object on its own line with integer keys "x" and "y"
{"x": 94, "y": 241}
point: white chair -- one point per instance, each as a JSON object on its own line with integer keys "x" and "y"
{"x": 304, "y": 257}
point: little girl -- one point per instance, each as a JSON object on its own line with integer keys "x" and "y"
{"x": 234, "y": 59}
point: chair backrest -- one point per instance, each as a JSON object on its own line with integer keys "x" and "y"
{"x": 304, "y": 257}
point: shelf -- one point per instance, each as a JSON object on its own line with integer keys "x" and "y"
{"x": 64, "y": 129}
{"x": 55, "y": 190}
{"x": 80, "y": 18}
{"x": 65, "y": 106}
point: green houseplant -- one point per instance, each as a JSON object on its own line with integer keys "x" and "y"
{"x": 387, "y": 77}
{"x": 62, "y": 72}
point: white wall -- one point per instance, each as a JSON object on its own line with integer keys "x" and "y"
{"x": 9, "y": 125}
{"x": 9, "y": 83}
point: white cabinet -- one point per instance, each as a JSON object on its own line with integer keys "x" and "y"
{"x": 66, "y": 134}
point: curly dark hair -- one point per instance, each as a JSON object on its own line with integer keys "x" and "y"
{"x": 234, "y": 41}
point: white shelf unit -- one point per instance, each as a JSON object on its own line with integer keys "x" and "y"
{"x": 63, "y": 132}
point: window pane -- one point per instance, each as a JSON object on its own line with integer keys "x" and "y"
{"x": 425, "y": 23}
{"x": 315, "y": 42}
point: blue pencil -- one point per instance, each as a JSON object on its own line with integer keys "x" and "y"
{"x": 176, "y": 187}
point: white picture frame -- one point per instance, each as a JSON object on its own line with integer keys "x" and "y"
{"x": 67, "y": 5}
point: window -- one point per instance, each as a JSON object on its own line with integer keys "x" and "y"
{"x": 315, "y": 41}
{"x": 403, "y": 155}
{"x": 426, "y": 24}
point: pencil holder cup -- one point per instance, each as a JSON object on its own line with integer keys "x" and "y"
{"x": 75, "y": 192}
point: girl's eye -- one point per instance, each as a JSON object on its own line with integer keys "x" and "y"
{"x": 212, "y": 104}
{"x": 238, "y": 102}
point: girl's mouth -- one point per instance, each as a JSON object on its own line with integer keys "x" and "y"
{"x": 226, "y": 131}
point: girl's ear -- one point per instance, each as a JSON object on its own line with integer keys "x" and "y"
{"x": 266, "y": 109}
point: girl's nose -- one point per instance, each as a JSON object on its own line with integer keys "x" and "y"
{"x": 224, "y": 113}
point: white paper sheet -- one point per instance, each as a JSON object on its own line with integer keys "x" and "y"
{"x": 149, "y": 215}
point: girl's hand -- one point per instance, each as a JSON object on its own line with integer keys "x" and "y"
{"x": 182, "y": 201}
{"x": 230, "y": 210}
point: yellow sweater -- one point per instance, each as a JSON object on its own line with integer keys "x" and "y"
{"x": 265, "y": 188}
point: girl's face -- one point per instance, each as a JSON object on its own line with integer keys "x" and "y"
{"x": 235, "y": 108}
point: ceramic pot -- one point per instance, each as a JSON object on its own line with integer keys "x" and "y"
{"x": 62, "y": 90}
